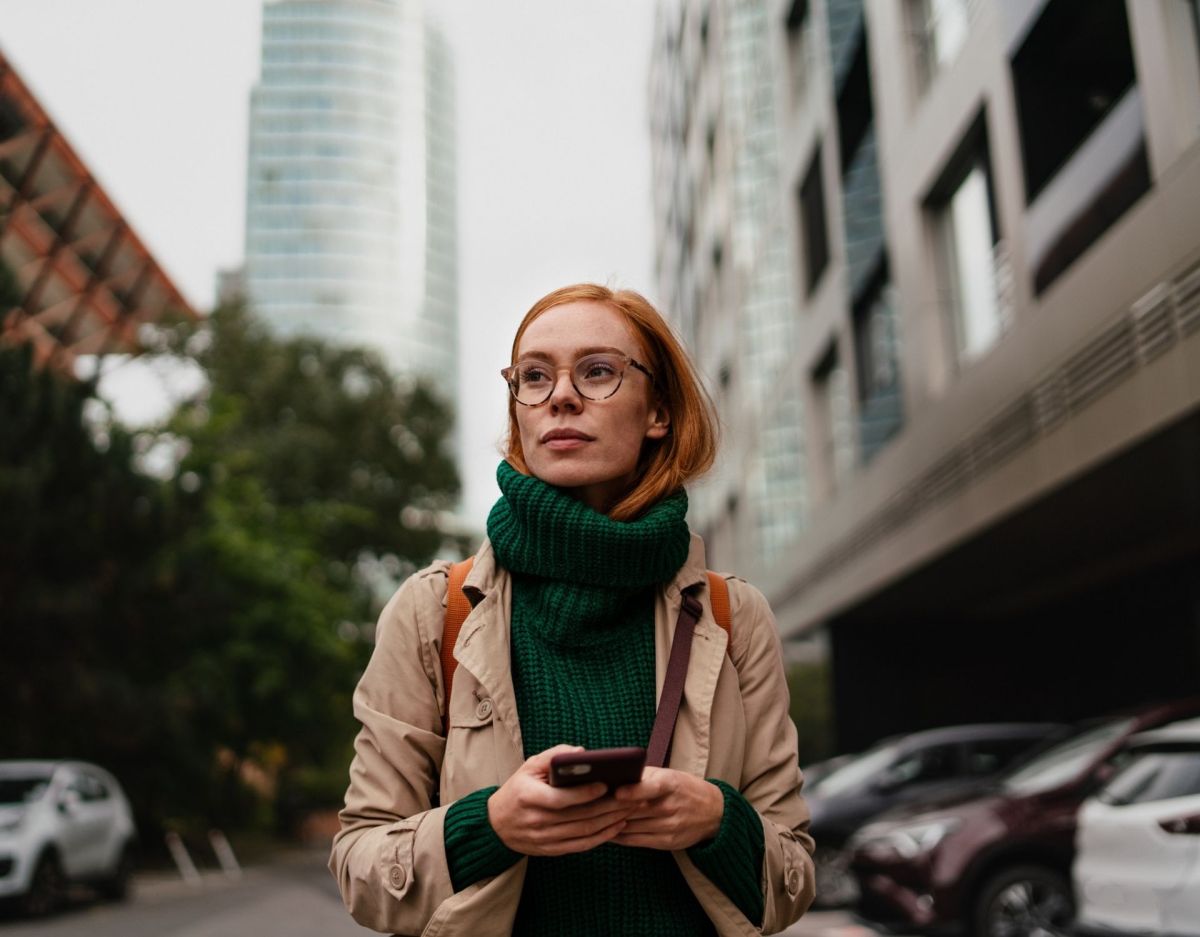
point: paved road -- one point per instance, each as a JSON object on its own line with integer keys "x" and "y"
{"x": 828, "y": 924}
{"x": 294, "y": 896}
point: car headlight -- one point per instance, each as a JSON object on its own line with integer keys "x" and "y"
{"x": 10, "y": 822}
{"x": 910, "y": 841}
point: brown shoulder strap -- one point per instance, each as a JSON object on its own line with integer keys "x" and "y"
{"x": 718, "y": 595}
{"x": 458, "y": 607}
{"x": 659, "y": 747}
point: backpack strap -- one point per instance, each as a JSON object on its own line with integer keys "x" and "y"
{"x": 718, "y": 595}
{"x": 458, "y": 607}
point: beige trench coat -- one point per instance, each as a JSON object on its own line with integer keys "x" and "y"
{"x": 389, "y": 857}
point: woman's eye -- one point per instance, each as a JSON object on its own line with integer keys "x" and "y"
{"x": 533, "y": 375}
{"x": 598, "y": 370}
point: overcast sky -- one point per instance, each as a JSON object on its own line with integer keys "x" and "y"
{"x": 554, "y": 158}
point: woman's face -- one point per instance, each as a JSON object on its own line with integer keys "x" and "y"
{"x": 589, "y": 446}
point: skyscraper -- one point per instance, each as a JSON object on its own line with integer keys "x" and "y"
{"x": 350, "y": 203}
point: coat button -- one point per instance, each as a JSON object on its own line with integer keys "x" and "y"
{"x": 484, "y": 709}
{"x": 396, "y": 876}
{"x": 793, "y": 882}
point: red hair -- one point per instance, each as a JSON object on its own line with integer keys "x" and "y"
{"x": 688, "y": 450}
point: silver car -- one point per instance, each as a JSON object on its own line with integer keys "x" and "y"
{"x": 62, "y": 822}
{"x": 1137, "y": 867}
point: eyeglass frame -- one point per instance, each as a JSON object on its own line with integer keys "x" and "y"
{"x": 627, "y": 360}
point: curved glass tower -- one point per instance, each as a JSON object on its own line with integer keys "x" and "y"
{"x": 350, "y": 206}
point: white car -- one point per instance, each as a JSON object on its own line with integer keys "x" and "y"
{"x": 61, "y": 822}
{"x": 1137, "y": 865}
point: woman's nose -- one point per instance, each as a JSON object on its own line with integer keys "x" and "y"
{"x": 564, "y": 396}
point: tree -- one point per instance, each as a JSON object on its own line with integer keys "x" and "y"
{"x": 200, "y": 633}
{"x": 313, "y": 461}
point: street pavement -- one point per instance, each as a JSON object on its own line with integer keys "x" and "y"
{"x": 828, "y": 924}
{"x": 293, "y": 896}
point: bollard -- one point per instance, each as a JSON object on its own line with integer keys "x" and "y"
{"x": 183, "y": 861}
{"x": 225, "y": 856}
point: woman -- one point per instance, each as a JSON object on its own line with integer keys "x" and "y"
{"x": 576, "y": 594}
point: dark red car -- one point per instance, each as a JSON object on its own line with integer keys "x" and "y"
{"x": 997, "y": 864}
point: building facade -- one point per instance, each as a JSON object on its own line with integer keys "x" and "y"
{"x": 351, "y": 227}
{"x": 990, "y": 217}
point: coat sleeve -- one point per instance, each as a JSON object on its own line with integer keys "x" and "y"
{"x": 389, "y": 857}
{"x": 771, "y": 779}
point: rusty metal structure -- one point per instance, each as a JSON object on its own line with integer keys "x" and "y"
{"x": 86, "y": 282}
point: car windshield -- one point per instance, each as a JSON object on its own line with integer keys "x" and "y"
{"x": 22, "y": 790}
{"x": 1063, "y": 762}
{"x": 856, "y": 772}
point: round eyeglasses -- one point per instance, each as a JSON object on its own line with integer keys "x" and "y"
{"x": 594, "y": 377}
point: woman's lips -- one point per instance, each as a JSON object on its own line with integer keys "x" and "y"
{"x": 563, "y": 443}
{"x": 562, "y": 440}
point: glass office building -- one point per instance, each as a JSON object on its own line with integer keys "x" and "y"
{"x": 350, "y": 208}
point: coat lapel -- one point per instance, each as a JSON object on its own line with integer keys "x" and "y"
{"x": 482, "y": 649}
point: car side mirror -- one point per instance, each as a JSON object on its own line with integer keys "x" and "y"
{"x": 67, "y": 802}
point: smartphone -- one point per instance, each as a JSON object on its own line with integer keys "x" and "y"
{"x": 613, "y": 766}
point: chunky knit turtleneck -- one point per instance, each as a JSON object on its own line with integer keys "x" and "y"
{"x": 582, "y": 635}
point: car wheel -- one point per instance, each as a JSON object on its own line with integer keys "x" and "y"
{"x": 1025, "y": 901}
{"x": 116, "y": 887}
{"x": 46, "y": 888}
{"x": 836, "y": 886}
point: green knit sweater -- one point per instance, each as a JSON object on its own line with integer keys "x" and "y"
{"x": 583, "y": 671}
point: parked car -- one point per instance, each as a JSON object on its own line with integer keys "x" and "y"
{"x": 1137, "y": 867}
{"x": 996, "y": 863}
{"x": 904, "y": 770}
{"x": 61, "y": 822}
{"x": 818, "y": 771}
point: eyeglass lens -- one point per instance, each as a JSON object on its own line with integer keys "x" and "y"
{"x": 594, "y": 376}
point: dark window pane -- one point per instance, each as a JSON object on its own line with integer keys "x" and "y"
{"x": 813, "y": 227}
{"x": 988, "y": 756}
{"x": 930, "y": 764}
{"x": 1073, "y": 68}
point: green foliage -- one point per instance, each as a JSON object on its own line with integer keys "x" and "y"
{"x": 201, "y": 635}
{"x": 812, "y": 709}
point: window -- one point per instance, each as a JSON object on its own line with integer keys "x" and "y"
{"x": 988, "y": 756}
{"x": 969, "y": 239}
{"x": 834, "y": 419}
{"x": 1152, "y": 776}
{"x": 89, "y": 788}
{"x": 797, "y": 27}
{"x": 971, "y": 258}
{"x": 855, "y": 113}
{"x": 875, "y": 350}
{"x": 875, "y": 341}
{"x": 813, "y": 226}
{"x": 1072, "y": 69}
{"x": 940, "y": 28}
{"x": 921, "y": 767}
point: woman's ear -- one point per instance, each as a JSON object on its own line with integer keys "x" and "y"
{"x": 660, "y": 422}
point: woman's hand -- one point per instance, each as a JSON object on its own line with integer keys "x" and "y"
{"x": 673, "y": 810}
{"x": 533, "y": 818}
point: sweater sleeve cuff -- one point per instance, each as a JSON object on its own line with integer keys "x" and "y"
{"x": 473, "y": 850}
{"x": 733, "y": 859}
